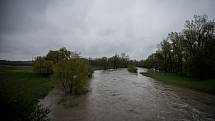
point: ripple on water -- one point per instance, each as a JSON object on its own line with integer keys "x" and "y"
{"x": 118, "y": 95}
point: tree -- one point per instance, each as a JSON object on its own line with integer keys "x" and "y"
{"x": 199, "y": 36}
{"x": 72, "y": 74}
{"x": 177, "y": 50}
{"x": 166, "y": 50}
{"x": 189, "y": 52}
{"x": 113, "y": 62}
{"x": 43, "y": 66}
{"x": 60, "y": 55}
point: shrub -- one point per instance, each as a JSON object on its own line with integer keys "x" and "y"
{"x": 132, "y": 68}
{"x": 72, "y": 75}
{"x": 43, "y": 66}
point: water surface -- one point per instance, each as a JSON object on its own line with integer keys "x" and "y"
{"x": 118, "y": 95}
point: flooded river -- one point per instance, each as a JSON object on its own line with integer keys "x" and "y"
{"x": 117, "y": 95}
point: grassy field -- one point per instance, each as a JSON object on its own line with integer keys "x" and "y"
{"x": 20, "y": 89}
{"x": 170, "y": 78}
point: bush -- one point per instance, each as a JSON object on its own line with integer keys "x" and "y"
{"x": 72, "y": 75}
{"x": 132, "y": 68}
{"x": 42, "y": 66}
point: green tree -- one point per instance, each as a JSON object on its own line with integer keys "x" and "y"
{"x": 113, "y": 62}
{"x": 60, "y": 55}
{"x": 72, "y": 75}
{"x": 198, "y": 44}
{"x": 189, "y": 52}
{"x": 166, "y": 50}
{"x": 43, "y": 66}
{"x": 176, "y": 40}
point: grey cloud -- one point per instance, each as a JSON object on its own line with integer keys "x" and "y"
{"x": 95, "y": 28}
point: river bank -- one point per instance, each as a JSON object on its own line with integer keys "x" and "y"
{"x": 177, "y": 80}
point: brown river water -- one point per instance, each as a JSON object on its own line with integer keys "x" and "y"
{"x": 117, "y": 95}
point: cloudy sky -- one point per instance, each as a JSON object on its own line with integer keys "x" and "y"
{"x": 96, "y": 28}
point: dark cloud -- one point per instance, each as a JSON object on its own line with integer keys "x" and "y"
{"x": 96, "y": 28}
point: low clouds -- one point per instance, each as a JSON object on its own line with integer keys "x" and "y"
{"x": 95, "y": 28}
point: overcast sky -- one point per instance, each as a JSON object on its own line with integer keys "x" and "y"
{"x": 96, "y": 28}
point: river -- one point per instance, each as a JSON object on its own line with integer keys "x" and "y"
{"x": 118, "y": 95}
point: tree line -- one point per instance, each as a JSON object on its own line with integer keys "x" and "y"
{"x": 114, "y": 62}
{"x": 189, "y": 52}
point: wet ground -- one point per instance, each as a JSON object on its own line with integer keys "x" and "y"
{"x": 117, "y": 95}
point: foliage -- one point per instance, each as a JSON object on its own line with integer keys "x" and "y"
{"x": 20, "y": 90}
{"x": 188, "y": 52}
{"x": 73, "y": 75}
{"x": 43, "y": 66}
{"x": 132, "y": 68}
{"x": 60, "y": 55}
{"x": 67, "y": 68}
{"x": 113, "y": 62}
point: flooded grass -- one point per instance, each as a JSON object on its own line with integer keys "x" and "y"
{"x": 170, "y": 78}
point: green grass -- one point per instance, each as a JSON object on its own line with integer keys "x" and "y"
{"x": 20, "y": 89}
{"x": 171, "y": 78}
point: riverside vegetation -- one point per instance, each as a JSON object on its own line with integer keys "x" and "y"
{"x": 186, "y": 58}
{"x": 22, "y": 86}
{"x": 189, "y": 52}
{"x": 132, "y": 68}
{"x": 67, "y": 68}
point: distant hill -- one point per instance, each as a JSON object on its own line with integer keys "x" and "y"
{"x": 16, "y": 63}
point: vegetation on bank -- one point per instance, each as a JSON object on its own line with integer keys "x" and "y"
{"x": 73, "y": 76}
{"x": 175, "y": 79}
{"x": 114, "y": 62}
{"x": 132, "y": 68}
{"x": 189, "y": 52}
{"x": 22, "y": 86}
{"x": 70, "y": 71}
{"x": 20, "y": 89}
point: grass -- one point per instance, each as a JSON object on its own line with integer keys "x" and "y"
{"x": 174, "y": 79}
{"x": 20, "y": 89}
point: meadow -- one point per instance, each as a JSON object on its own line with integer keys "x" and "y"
{"x": 20, "y": 91}
{"x": 182, "y": 81}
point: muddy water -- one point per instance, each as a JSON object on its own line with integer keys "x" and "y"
{"x": 117, "y": 95}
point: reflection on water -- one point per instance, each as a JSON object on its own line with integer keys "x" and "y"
{"x": 118, "y": 95}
